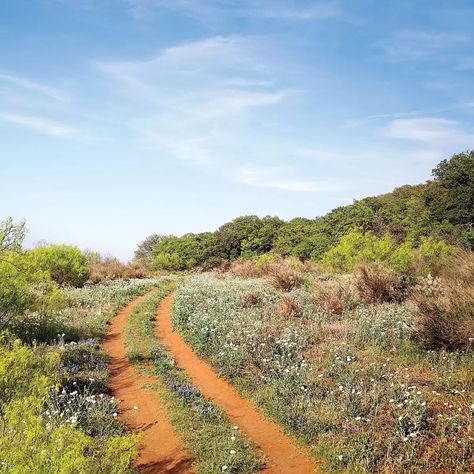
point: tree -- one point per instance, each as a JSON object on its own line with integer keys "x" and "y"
{"x": 229, "y": 237}
{"x": 11, "y": 235}
{"x": 64, "y": 264}
{"x": 455, "y": 199}
{"x": 16, "y": 294}
{"x": 145, "y": 249}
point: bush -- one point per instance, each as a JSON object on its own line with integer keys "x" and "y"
{"x": 112, "y": 269}
{"x": 289, "y": 308}
{"x": 434, "y": 255}
{"x": 446, "y": 307}
{"x": 32, "y": 440}
{"x": 333, "y": 296}
{"x": 284, "y": 277}
{"x": 376, "y": 283}
{"x": 245, "y": 269}
{"x": 64, "y": 264}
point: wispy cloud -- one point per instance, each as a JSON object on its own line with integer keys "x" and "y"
{"x": 408, "y": 45}
{"x": 40, "y": 124}
{"x": 32, "y": 86}
{"x": 277, "y": 178}
{"x": 210, "y": 10}
{"x": 431, "y": 131}
{"x": 207, "y": 104}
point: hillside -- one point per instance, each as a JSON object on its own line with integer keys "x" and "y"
{"x": 441, "y": 209}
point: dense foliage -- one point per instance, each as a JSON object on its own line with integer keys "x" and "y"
{"x": 405, "y": 219}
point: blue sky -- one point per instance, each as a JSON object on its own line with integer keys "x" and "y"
{"x": 121, "y": 118}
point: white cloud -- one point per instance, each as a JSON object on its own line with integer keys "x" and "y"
{"x": 41, "y": 89}
{"x": 39, "y": 124}
{"x": 213, "y": 10}
{"x": 411, "y": 45}
{"x": 431, "y": 131}
{"x": 194, "y": 100}
{"x": 277, "y": 178}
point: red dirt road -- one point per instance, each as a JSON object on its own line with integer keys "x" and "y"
{"x": 160, "y": 449}
{"x": 281, "y": 454}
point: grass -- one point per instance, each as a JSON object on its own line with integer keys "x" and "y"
{"x": 215, "y": 445}
{"x": 354, "y": 384}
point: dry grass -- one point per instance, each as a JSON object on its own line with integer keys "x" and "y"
{"x": 375, "y": 283}
{"x": 446, "y": 307}
{"x": 334, "y": 296}
{"x": 245, "y": 269}
{"x": 284, "y": 277}
{"x": 289, "y": 308}
{"x": 112, "y": 269}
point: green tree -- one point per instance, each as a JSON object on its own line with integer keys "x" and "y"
{"x": 455, "y": 199}
{"x": 64, "y": 264}
{"x": 230, "y": 236}
{"x": 146, "y": 248}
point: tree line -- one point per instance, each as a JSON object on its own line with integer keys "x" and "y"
{"x": 434, "y": 216}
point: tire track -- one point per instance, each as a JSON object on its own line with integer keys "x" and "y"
{"x": 281, "y": 454}
{"x": 160, "y": 449}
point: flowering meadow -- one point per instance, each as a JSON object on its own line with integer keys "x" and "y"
{"x": 351, "y": 380}
{"x": 55, "y": 413}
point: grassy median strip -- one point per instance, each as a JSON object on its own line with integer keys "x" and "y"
{"x": 215, "y": 444}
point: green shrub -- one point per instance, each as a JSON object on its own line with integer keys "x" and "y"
{"x": 434, "y": 255}
{"x": 65, "y": 264}
{"x": 32, "y": 440}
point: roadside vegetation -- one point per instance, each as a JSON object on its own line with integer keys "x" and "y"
{"x": 56, "y": 415}
{"x": 372, "y": 370}
{"x": 205, "y": 430}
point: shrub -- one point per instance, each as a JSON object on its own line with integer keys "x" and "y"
{"x": 245, "y": 269}
{"x": 376, "y": 283}
{"x": 32, "y": 440}
{"x": 446, "y": 309}
{"x": 434, "y": 255}
{"x": 285, "y": 278}
{"x": 356, "y": 247}
{"x": 112, "y": 269}
{"x": 332, "y": 296}
{"x": 289, "y": 308}
{"x": 65, "y": 264}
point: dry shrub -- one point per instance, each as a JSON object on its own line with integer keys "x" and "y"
{"x": 446, "y": 307}
{"x": 113, "y": 269}
{"x": 375, "y": 283}
{"x": 332, "y": 296}
{"x": 251, "y": 299}
{"x": 289, "y": 308}
{"x": 284, "y": 277}
{"x": 245, "y": 269}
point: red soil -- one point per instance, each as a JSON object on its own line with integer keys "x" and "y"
{"x": 160, "y": 449}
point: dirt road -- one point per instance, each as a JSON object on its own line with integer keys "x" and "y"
{"x": 141, "y": 409}
{"x": 281, "y": 453}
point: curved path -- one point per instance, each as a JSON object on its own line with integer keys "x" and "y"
{"x": 281, "y": 454}
{"x": 160, "y": 449}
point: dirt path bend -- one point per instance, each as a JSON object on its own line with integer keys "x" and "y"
{"x": 281, "y": 453}
{"x": 160, "y": 449}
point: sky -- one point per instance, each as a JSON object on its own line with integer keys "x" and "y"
{"x": 123, "y": 118}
